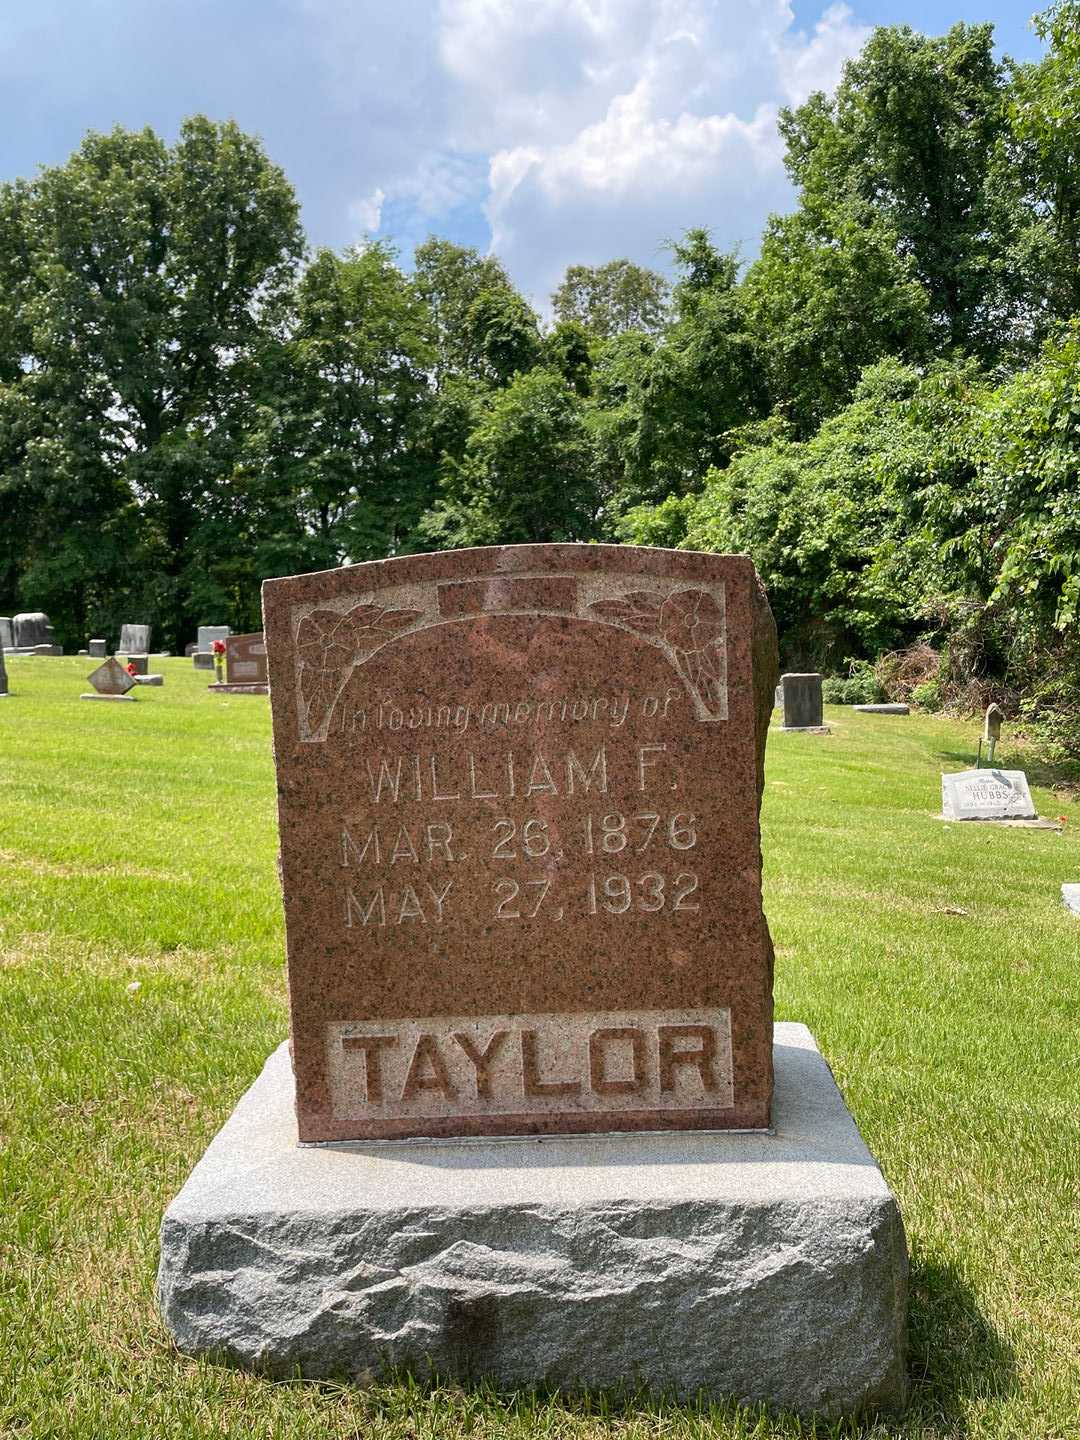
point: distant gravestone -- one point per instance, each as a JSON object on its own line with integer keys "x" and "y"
{"x": 190, "y": 648}
{"x": 884, "y": 709}
{"x": 245, "y": 665}
{"x": 1070, "y": 897}
{"x": 986, "y": 795}
{"x": 801, "y": 702}
{"x": 141, "y": 663}
{"x": 518, "y": 795}
{"x": 3, "y": 675}
{"x": 203, "y": 657}
{"x": 209, "y": 633}
{"x": 7, "y": 633}
{"x": 110, "y": 681}
{"x": 32, "y": 628}
{"x": 134, "y": 640}
{"x": 97, "y": 648}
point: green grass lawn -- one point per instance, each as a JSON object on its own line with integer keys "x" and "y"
{"x": 141, "y": 989}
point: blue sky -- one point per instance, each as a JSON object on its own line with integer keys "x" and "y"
{"x": 552, "y": 131}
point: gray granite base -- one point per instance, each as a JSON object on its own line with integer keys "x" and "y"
{"x": 1070, "y": 897}
{"x": 89, "y": 696}
{"x": 771, "y": 1267}
{"x": 804, "y": 729}
{"x": 883, "y": 709}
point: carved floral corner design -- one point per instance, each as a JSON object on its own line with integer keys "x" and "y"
{"x": 689, "y": 625}
{"x": 330, "y": 644}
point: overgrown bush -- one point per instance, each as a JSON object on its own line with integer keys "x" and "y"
{"x": 859, "y": 687}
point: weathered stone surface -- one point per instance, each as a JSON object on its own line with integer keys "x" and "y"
{"x": 31, "y": 629}
{"x": 203, "y": 660}
{"x": 134, "y": 639}
{"x": 801, "y": 701}
{"x": 245, "y": 659}
{"x": 771, "y": 1267}
{"x": 3, "y": 674}
{"x": 1070, "y": 897}
{"x": 239, "y": 689}
{"x": 883, "y": 709}
{"x": 111, "y": 678}
{"x": 7, "y": 633}
{"x": 518, "y": 799}
{"x": 97, "y": 648}
{"x": 986, "y": 795}
{"x": 141, "y": 663}
{"x": 149, "y": 679}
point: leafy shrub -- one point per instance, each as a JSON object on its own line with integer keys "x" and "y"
{"x": 927, "y": 695}
{"x": 859, "y": 687}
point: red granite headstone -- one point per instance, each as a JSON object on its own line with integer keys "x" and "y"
{"x": 245, "y": 659}
{"x": 518, "y": 799}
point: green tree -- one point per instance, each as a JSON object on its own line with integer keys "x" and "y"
{"x": 334, "y": 455}
{"x": 150, "y": 272}
{"x": 483, "y": 328}
{"x": 1044, "y": 113}
{"x": 915, "y": 142}
{"x": 663, "y": 408}
{"x": 527, "y": 473}
{"x": 610, "y": 299}
{"x": 825, "y": 302}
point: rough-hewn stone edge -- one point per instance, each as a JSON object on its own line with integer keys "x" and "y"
{"x": 808, "y": 1276}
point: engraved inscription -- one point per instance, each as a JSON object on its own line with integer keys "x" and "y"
{"x": 687, "y": 623}
{"x": 578, "y": 868}
{"x": 445, "y": 1066}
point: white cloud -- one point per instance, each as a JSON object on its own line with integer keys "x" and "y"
{"x": 582, "y": 129}
{"x": 660, "y": 116}
{"x": 366, "y": 214}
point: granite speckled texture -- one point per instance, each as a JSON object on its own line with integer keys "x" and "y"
{"x": 518, "y": 793}
{"x": 771, "y": 1267}
{"x": 245, "y": 662}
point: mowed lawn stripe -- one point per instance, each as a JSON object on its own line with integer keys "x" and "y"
{"x": 141, "y": 988}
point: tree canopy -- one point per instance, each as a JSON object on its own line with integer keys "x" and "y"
{"x": 880, "y": 407}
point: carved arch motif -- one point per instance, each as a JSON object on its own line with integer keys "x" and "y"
{"x": 687, "y": 624}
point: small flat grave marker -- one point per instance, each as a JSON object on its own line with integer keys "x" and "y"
{"x": 110, "y": 681}
{"x": 1070, "y": 897}
{"x": 986, "y": 795}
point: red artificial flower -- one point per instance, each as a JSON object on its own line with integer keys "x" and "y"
{"x": 131, "y": 668}
{"x": 219, "y": 647}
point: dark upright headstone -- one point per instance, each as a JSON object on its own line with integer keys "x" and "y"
{"x": 32, "y": 628}
{"x": 802, "y": 702}
{"x": 7, "y": 633}
{"x": 3, "y": 674}
{"x": 97, "y": 648}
